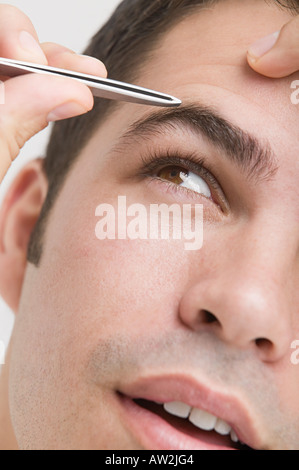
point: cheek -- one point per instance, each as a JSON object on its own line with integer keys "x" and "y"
{"x": 117, "y": 285}
{"x": 94, "y": 288}
{"x": 86, "y": 292}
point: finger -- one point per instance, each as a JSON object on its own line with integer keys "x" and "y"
{"x": 62, "y": 57}
{"x": 31, "y": 101}
{"x": 277, "y": 55}
{"x": 18, "y": 38}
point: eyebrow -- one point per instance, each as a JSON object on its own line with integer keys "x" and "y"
{"x": 254, "y": 157}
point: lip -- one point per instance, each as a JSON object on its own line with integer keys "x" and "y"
{"x": 156, "y": 433}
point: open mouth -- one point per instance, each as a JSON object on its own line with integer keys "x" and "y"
{"x": 190, "y": 426}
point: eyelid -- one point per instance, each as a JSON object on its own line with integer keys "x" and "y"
{"x": 156, "y": 160}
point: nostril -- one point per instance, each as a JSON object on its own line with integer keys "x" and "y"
{"x": 208, "y": 317}
{"x": 264, "y": 344}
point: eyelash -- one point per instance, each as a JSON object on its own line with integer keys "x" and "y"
{"x": 156, "y": 160}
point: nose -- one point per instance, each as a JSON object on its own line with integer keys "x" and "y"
{"x": 244, "y": 307}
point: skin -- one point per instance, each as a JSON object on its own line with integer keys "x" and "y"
{"x": 95, "y": 316}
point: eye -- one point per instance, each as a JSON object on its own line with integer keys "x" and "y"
{"x": 185, "y": 179}
{"x": 183, "y": 171}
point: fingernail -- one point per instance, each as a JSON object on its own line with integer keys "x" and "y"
{"x": 97, "y": 66}
{"x": 262, "y": 46}
{"x": 29, "y": 44}
{"x": 66, "y": 111}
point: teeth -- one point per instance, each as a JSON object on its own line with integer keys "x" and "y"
{"x": 177, "y": 408}
{"x": 201, "y": 419}
{"x": 222, "y": 427}
{"x": 233, "y": 436}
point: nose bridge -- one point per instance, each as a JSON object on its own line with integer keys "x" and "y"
{"x": 246, "y": 300}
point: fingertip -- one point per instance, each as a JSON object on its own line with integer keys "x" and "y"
{"x": 67, "y": 110}
{"x": 35, "y": 95}
{"x": 262, "y": 46}
{"x": 92, "y": 65}
{"x": 252, "y": 60}
{"x": 275, "y": 64}
{"x": 61, "y": 57}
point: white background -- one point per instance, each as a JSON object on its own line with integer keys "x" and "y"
{"x": 71, "y": 23}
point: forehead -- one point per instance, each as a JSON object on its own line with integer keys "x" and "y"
{"x": 203, "y": 58}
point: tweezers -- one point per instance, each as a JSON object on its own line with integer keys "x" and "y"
{"x": 100, "y": 87}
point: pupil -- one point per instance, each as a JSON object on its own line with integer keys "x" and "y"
{"x": 175, "y": 173}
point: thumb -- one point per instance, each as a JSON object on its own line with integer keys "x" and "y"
{"x": 277, "y": 55}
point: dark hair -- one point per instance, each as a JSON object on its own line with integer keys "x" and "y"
{"x": 132, "y": 32}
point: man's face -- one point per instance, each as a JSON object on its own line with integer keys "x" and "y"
{"x": 103, "y": 324}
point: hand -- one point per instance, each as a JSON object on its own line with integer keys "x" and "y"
{"x": 277, "y": 55}
{"x": 32, "y": 101}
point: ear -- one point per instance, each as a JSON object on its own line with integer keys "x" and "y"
{"x": 18, "y": 216}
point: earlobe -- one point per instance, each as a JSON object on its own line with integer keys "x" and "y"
{"x": 18, "y": 216}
